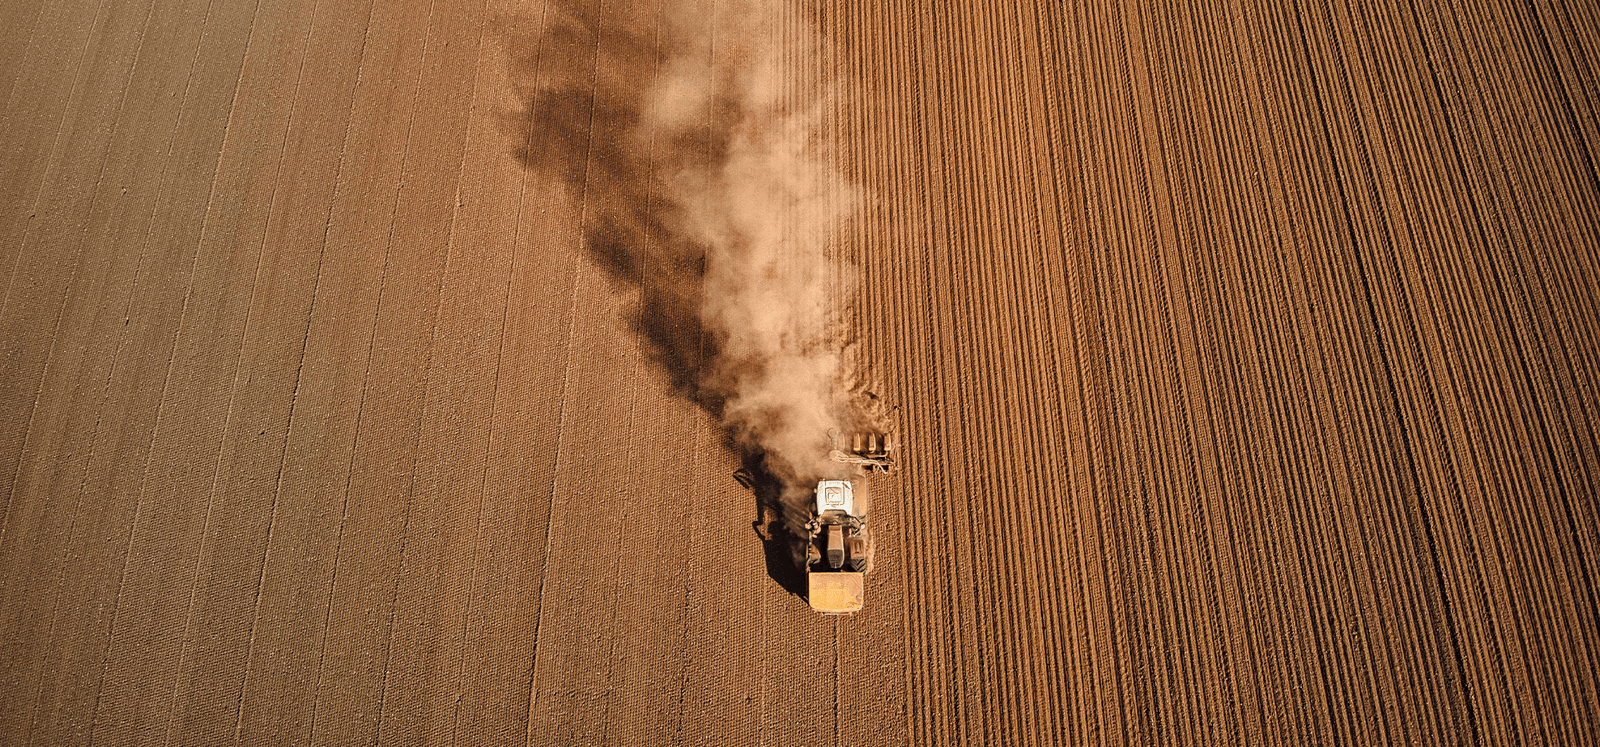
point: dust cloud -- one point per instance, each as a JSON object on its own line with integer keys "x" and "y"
{"x": 765, "y": 209}
{"x": 692, "y": 136}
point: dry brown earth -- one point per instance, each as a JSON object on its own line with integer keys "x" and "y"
{"x": 1244, "y": 353}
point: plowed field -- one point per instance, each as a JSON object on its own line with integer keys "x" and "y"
{"x": 1244, "y": 355}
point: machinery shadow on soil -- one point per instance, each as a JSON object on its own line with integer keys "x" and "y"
{"x": 578, "y": 121}
{"x": 780, "y": 543}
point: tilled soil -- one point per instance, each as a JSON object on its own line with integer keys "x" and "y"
{"x": 1244, "y": 359}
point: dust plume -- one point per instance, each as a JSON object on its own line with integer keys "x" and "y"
{"x": 692, "y": 138}
{"x": 765, "y": 206}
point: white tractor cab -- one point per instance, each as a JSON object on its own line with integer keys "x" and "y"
{"x": 839, "y": 534}
{"x": 836, "y": 550}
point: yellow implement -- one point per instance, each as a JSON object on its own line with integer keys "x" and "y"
{"x": 836, "y": 593}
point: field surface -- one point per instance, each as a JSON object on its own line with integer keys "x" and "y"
{"x": 1245, "y": 357}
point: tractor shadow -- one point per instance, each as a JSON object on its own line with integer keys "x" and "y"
{"x": 779, "y": 525}
{"x": 584, "y": 81}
